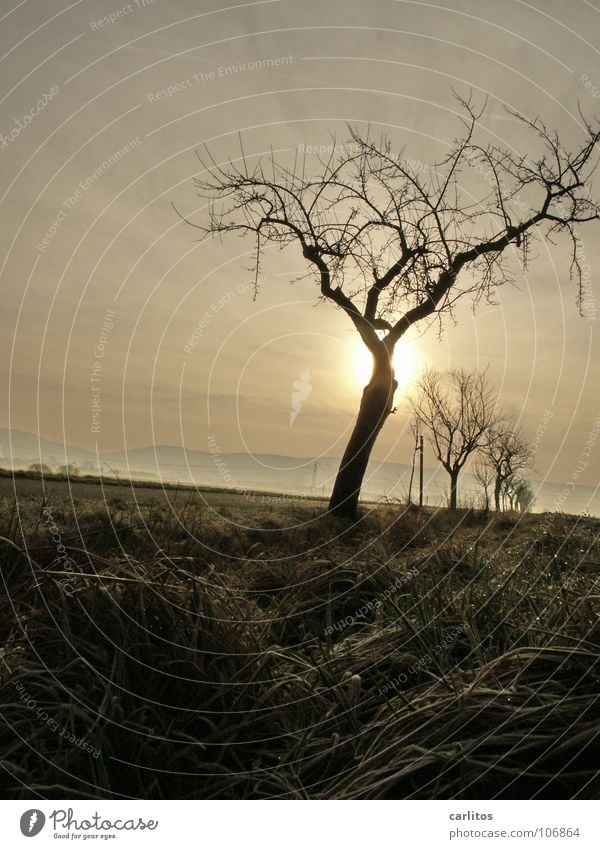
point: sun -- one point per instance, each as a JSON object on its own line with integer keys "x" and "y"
{"x": 406, "y": 364}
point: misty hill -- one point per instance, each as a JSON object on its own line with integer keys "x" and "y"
{"x": 19, "y": 449}
{"x": 299, "y": 476}
{"x": 273, "y": 472}
{"x": 173, "y": 463}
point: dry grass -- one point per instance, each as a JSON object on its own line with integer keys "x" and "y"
{"x": 274, "y": 653}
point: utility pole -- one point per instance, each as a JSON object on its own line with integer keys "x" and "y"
{"x": 420, "y": 471}
{"x": 412, "y": 468}
{"x": 314, "y": 476}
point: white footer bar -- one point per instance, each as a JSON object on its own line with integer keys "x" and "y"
{"x": 274, "y": 824}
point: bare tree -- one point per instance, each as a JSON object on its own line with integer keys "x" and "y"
{"x": 484, "y": 476}
{"x": 518, "y": 492}
{"x": 392, "y": 244}
{"x": 40, "y": 468}
{"x": 506, "y": 452}
{"x": 457, "y": 413}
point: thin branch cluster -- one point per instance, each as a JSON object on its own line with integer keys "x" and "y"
{"x": 459, "y": 411}
{"x": 393, "y": 242}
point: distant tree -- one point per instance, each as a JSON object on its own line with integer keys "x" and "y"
{"x": 518, "y": 493}
{"x": 456, "y": 410}
{"x": 507, "y": 452}
{"x": 485, "y": 476}
{"x": 391, "y": 243}
{"x": 40, "y": 468}
{"x": 69, "y": 470}
{"x": 525, "y": 495}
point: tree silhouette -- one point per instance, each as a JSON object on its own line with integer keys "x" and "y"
{"x": 506, "y": 452}
{"x": 457, "y": 413}
{"x": 40, "y": 468}
{"x": 393, "y": 243}
{"x": 484, "y": 476}
{"x": 518, "y": 492}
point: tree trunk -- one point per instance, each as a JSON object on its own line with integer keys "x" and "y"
{"x": 375, "y": 407}
{"x": 497, "y": 490}
{"x": 453, "y": 490}
{"x": 486, "y": 500}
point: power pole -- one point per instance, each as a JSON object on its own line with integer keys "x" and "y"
{"x": 412, "y": 468}
{"x": 420, "y": 471}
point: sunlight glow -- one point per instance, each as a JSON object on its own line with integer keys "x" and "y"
{"x": 406, "y": 364}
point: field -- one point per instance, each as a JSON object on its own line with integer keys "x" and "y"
{"x": 164, "y": 643}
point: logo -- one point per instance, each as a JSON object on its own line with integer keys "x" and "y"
{"x": 32, "y": 822}
{"x": 302, "y": 389}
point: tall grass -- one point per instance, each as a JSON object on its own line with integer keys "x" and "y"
{"x": 275, "y": 653}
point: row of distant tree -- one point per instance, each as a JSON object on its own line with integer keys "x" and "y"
{"x": 67, "y": 469}
{"x": 458, "y": 411}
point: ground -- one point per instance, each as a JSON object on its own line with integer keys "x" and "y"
{"x": 167, "y": 643}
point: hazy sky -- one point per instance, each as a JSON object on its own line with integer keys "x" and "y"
{"x": 103, "y": 107}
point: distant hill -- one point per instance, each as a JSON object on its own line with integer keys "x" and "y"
{"x": 172, "y": 463}
{"x": 264, "y": 472}
{"x": 19, "y": 449}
